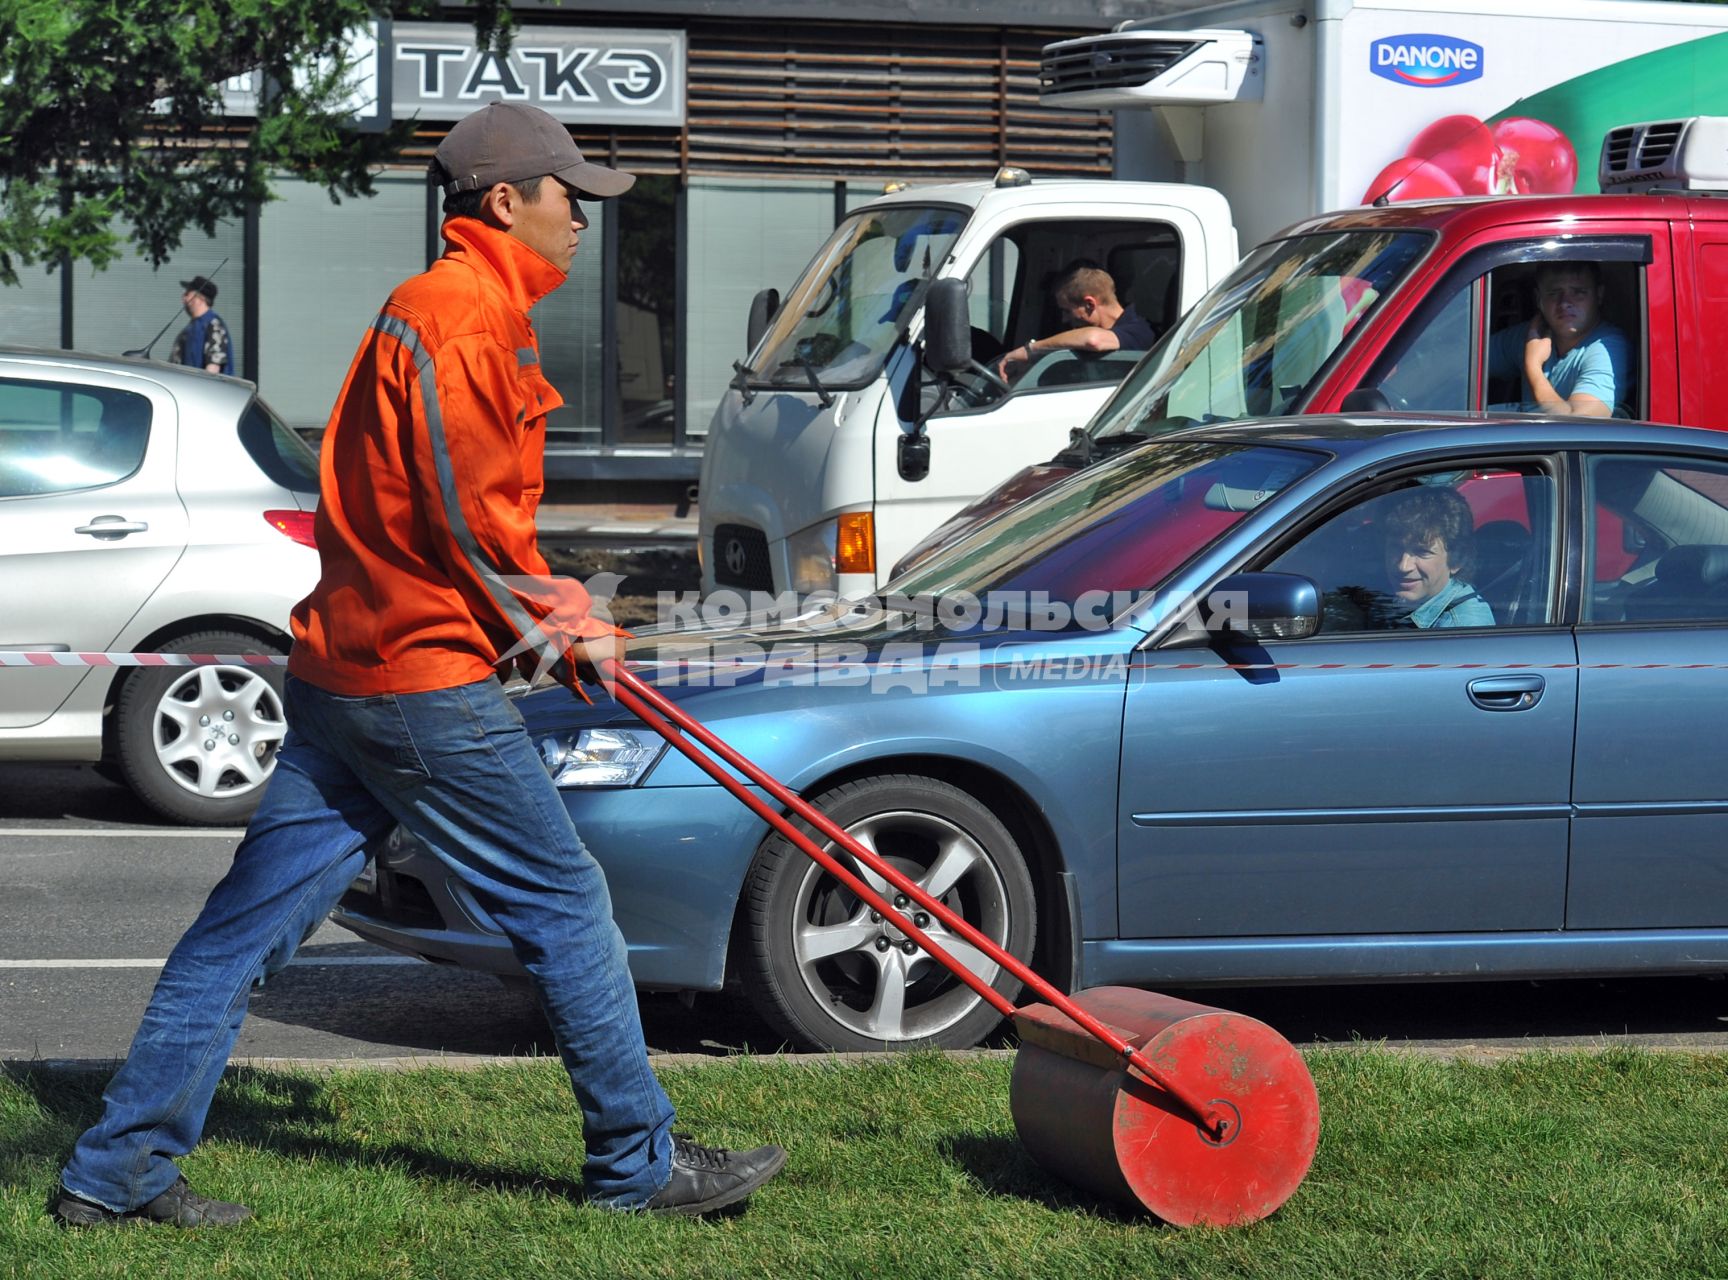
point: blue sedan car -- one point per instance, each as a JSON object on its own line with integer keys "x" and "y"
{"x": 1299, "y": 700}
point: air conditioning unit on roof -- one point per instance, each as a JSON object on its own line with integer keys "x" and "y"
{"x": 1671, "y": 155}
{"x": 1149, "y": 68}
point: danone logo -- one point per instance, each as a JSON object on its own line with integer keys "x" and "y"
{"x": 1428, "y": 62}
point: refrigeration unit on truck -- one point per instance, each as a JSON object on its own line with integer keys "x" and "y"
{"x": 1295, "y": 107}
{"x": 855, "y": 427}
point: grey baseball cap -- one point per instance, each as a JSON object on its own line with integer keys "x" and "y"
{"x": 509, "y": 142}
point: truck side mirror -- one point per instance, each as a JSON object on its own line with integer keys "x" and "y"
{"x": 947, "y": 327}
{"x": 763, "y": 308}
{"x": 913, "y": 459}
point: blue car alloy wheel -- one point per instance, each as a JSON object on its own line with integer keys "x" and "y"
{"x": 824, "y": 969}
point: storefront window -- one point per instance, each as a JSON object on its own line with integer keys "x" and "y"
{"x": 324, "y": 271}
{"x": 647, "y": 311}
{"x": 567, "y": 322}
{"x": 743, "y": 236}
{"x": 30, "y": 309}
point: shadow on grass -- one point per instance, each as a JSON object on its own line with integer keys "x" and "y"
{"x": 1001, "y": 1167}
{"x": 290, "y": 1117}
{"x": 66, "y": 1102}
{"x": 279, "y": 1114}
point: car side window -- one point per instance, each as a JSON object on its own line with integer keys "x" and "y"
{"x": 990, "y": 291}
{"x": 1433, "y": 372}
{"x": 1470, "y": 353}
{"x": 1602, "y": 299}
{"x": 1012, "y": 291}
{"x": 1657, "y": 540}
{"x": 58, "y": 437}
{"x": 1469, "y": 546}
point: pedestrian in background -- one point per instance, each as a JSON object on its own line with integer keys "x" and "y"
{"x": 203, "y": 344}
{"x": 431, "y": 471}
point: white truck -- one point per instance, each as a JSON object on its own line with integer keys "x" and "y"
{"x": 855, "y": 426}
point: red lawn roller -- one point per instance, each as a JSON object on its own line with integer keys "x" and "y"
{"x": 1199, "y": 1115}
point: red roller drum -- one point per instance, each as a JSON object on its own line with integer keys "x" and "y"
{"x": 1088, "y": 1120}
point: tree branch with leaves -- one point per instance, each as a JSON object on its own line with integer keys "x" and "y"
{"x": 111, "y": 121}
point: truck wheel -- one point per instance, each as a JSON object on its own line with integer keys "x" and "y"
{"x": 827, "y": 975}
{"x": 197, "y": 744}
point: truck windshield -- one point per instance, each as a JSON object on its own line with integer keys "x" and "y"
{"x": 853, "y": 301}
{"x": 1254, "y": 344}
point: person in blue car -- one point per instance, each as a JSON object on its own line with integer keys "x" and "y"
{"x": 1430, "y": 535}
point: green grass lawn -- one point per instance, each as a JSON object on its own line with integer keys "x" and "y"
{"x": 1607, "y": 1164}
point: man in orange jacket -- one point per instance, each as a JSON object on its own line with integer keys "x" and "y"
{"x": 431, "y": 473}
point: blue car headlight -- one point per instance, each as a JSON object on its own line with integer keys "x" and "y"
{"x": 600, "y": 757}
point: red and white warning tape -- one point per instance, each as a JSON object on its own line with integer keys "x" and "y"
{"x": 33, "y": 658}
{"x": 1436, "y": 666}
{"x": 38, "y": 659}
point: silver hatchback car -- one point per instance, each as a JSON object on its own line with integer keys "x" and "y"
{"x": 148, "y": 508}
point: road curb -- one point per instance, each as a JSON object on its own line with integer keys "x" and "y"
{"x": 479, "y": 1061}
{"x": 1479, "y": 1054}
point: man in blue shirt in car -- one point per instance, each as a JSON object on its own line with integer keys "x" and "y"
{"x": 1572, "y": 361}
{"x": 1430, "y": 540}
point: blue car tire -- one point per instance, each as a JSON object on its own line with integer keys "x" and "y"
{"x": 828, "y": 973}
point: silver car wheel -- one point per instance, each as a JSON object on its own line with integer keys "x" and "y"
{"x": 858, "y": 965}
{"x": 216, "y": 731}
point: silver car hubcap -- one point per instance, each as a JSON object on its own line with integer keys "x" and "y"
{"x": 862, "y": 970}
{"x": 217, "y": 731}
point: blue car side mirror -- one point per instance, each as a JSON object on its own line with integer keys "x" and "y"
{"x": 1251, "y": 607}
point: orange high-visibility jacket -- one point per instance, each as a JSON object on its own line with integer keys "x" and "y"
{"x": 432, "y": 468}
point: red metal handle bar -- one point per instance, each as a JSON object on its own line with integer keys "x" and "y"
{"x": 672, "y": 723}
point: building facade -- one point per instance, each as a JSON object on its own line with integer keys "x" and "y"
{"x": 753, "y": 128}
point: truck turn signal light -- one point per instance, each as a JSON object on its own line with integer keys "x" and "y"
{"x": 855, "y": 549}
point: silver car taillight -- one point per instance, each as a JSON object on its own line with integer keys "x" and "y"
{"x": 295, "y": 524}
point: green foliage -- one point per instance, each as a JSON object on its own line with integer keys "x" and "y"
{"x": 110, "y": 121}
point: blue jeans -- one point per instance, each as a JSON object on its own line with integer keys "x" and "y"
{"x": 457, "y": 769}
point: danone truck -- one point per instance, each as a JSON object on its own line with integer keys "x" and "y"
{"x": 872, "y": 405}
{"x": 1292, "y": 108}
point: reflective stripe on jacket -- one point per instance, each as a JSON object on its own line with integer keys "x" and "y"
{"x": 432, "y": 468}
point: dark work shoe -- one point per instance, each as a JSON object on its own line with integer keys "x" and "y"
{"x": 708, "y": 1178}
{"x": 179, "y": 1206}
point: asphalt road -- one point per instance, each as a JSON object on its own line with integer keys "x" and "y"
{"x": 93, "y": 895}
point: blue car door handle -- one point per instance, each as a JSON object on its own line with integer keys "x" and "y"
{"x": 1506, "y": 693}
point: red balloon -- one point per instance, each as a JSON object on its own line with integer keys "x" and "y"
{"x": 1464, "y": 148}
{"x": 1411, "y": 178}
{"x": 1540, "y": 156}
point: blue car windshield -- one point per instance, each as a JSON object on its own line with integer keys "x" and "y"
{"x": 852, "y": 303}
{"x": 1123, "y": 525}
{"x": 1256, "y": 343}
